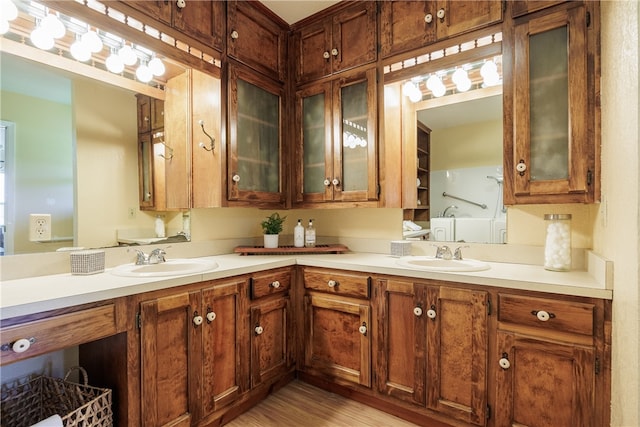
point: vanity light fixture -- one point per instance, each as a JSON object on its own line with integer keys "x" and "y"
{"x": 53, "y": 26}
{"x": 114, "y": 62}
{"x": 128, "y": 55}
{"x": 79, "y": 50}
{"x": 144, "y": 73}
{"x": 157, "y": 66}
{"x": 41, "y": 38}
{"x": 92, "y": 41}
{"x": 9, "y": 11}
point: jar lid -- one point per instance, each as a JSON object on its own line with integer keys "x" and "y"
{"x": 554, "y": 217}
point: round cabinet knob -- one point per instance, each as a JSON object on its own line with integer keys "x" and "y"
{"x": 334, "y": 52}
{"x": 335, "y": 181}
{"x": 417, "y": 311}
{"x": 22, "y": 345}
{"x": 326, "y": 54}
{"x": 275, "y": 284}
{"x": 211, "y": 316}
{"x": 327, "y": 182}
{"x": 234, "y": 35}
{"x": 259, "y": 330}
{"x": 440, "y": 14}
{"x": 197, "y": 320}
{"x": 521, "y": 167}
{"x": 236, "y": 178}
{"x": 332, "y": 283}
{"x": 362, "y": 329}
{"x": 504, "y": 363}
{"x": 543, "y": 316}
{"x": 146, "y": 119}
{"x": 431, "y": 313}
{"x": 428, "y": 18}
{"x": 181, "y": 3}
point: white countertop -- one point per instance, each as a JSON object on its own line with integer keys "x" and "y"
{"x": 37, "y": 294}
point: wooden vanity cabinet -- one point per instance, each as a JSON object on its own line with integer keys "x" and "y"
{"x": 193, "y": 352}
{"x": 409, "y": 25}
{"x": 433, "y": 347}
{"x": 270, "y": 325}
{"x": 551, "y": 353}
{"x": 337, "y": 326}
{"x": 551, "y": 89}
{"x": 342, "y": 40}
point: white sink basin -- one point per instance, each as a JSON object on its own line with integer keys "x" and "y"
{"x": 172, "y": 267}
{"x": 430, "y": 263}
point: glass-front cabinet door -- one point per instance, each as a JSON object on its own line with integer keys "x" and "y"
{"x": 553, "y": 150}
{"x": 336, "y": 149}
{"x": 255, "y": 139}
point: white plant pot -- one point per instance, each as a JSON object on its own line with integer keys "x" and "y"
{"x": 271, "y": 240}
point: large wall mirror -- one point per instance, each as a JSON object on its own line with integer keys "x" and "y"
{"x": 70, "y": 143}
{"x": 452, "y": 119}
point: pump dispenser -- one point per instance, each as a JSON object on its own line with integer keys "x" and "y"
{"x": 159, "y": 227}
{"x": 298, "y": 235}
{"x": 310, "y": 235}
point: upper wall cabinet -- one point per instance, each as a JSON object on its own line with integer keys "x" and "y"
{"x": 342, "y": 41}
{"x": 254, "y": 139}
{"x": 550, "y": 106}
{"x": 256, "y": 39}
{"x": 408, "y": 25}
{"x": 200, "y": 20}
{"x": 523, "y": 7}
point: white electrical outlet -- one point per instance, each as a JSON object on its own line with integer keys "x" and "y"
{"x": 39, "y": 227}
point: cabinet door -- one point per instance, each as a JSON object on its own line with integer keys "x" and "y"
{"x": 144, "y": 113}
{"x": 313, "y": 52}
{"x": 541, "y": 383}
{"x": 457, "y": 353}
{"x": 354, "y": 175}
{"x": 167, "y": 332}
{"x": 201, "y": 20}
{"x": 553, "y": 150}
{"x": 145, "y": 171}
{"x": 464, "y": 16}
{"x": 354, "y": 37}
{"x": 402, "y": 340}
{"x": 271, "y": 339}
{"x": 224, "y": 345}
{"x": 314, "y": 156}
{"x": 160, "y": 10}
{"x": 256, "y": 40}
{"x": 404, "y": 26}
{"x": 337, "y": 339}
{"x": 157, "y": 114}
{"x": 255, "y": 130}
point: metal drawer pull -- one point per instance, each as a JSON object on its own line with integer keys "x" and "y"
{"x": 19, "y": 346}
{"x": 275, "y": 284}
{"x": 542, "y": 315}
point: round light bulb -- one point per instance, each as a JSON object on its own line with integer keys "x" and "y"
{"x": 432, "y": 82}
{"x": 9, "y": 10}
{"x": 415, "y": 95}
{"x": 488, "y": 68}
{"x": 53, "y": 26}
{"x": 156, "y": 66}
{"x": 80, "y": 51}
{"x": 4, "y": 26}
{"x": 144, "y": 74}
{"x": 464, "y": 85}
{"x": 127, "y": 54}
{"x": 92, "y": 40}
{"x": 41, "y": 39}
{"x": 439, "y": 90}
{"x": 459, "y": 75}
{"x": 114, "y": 63}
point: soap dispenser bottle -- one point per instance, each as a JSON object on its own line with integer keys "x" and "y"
{"x": 310, "y": 235}
{"x": 298, "y": 235}
{"x": 159, "y": 228}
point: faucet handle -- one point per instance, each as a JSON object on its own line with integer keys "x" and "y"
{"x": 457, "y": 254}
{"x": 141, "y": 257}
{"x": 443, "y": 252}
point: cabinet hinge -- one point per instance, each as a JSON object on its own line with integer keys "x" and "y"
{"x": 488, "y": 412}
{"x": 138, "y": 320}
{"x": 589, "y": 176}
{"x": 597, "y": 366}
{"x": 588, "y": 19}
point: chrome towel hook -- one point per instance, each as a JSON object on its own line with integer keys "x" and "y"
{"x": 212, "y": 141}
{"x": 169, "y": 151}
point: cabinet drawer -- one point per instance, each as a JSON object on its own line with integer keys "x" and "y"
{"x": 273, "y": 282}
{"x": 346, "y": 284}
{"x": 58, "y": 332}
{"x": 562, "y": 316}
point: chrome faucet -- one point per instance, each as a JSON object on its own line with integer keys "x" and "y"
{"x": 444, "y": 214}
{"x": 156, "y": 256}
{"x": 457, "y": 254}
{"x": 444, "y": 252}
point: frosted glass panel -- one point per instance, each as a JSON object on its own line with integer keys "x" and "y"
{"x": 258, "y": 139}
{"x": 354, "y": 137}
{"x": 549, "y": 105}
{"x": 314, "y": 142}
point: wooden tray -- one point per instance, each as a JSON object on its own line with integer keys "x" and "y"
{"x": 287, "y": 250}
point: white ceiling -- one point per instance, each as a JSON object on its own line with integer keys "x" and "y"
{"x": 293, "y": 11}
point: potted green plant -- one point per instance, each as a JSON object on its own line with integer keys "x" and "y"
{"x": 272, "y": 227}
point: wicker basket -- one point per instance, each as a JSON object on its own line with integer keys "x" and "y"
{"x": 79, "y": 405}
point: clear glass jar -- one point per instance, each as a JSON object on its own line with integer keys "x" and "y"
{"x": 557, "y": 247}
